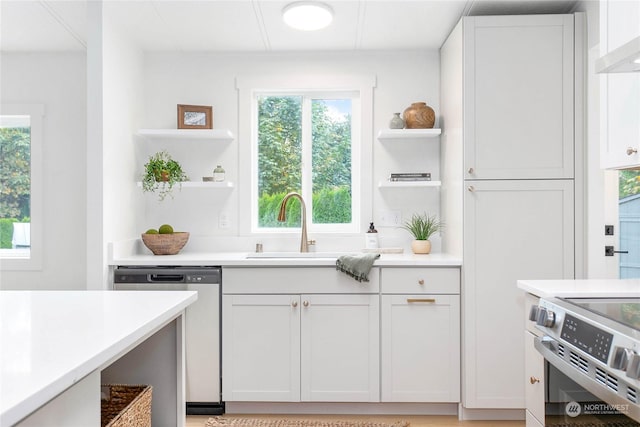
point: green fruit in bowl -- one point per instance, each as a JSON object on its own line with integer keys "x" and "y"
{"x": 151, "y": 231}
{"x": 165, "y": 229}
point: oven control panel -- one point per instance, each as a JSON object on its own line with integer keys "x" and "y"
{"x": 588, "y": 338}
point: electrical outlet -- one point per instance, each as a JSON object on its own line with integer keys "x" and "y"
{"x": 608, "y": 230}
{"x": 223, "y": 220}
{"x": 391, "y": 218}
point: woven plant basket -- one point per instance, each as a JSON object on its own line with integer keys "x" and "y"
{"x": 126, "y": 406}
{"x": 165, "y": 244}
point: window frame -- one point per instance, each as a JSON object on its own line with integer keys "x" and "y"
{"x": 249, "y": 87}
{"x": 35, "y": 259}
{"x": 307, "y": 181}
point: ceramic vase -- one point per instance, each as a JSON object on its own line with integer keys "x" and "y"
{"x": 419, "y": 116}
{"x": 396, "y": 122}
{"x": 421, "y": 246}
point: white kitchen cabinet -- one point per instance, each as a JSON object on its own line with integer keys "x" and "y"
{"x": 293, "y": 347}
{"x": 420, "y": 346}
{"x": 619, "y": 92}
{"x": 509, "y": 195}
{"x": 534, "y": 380}
{"x": 340, "y": 348}
{"x": 519, "y": 98}
{"x": 420, "y": 334}
{"x": 514, "y": 229}
{"x": 261, "y": 348}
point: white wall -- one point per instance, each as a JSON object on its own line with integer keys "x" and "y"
{"x": 114, "y": 107}
{"x": 58, "y": 81}
{"x": 201, "y": 79}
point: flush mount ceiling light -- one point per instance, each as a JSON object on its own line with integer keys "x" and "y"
{"x": 307, "y": 15}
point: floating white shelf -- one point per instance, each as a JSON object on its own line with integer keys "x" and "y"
{"x": 201, "y": 184}
{"x": 409, "y": 184}
{"x": 385, "y": 134}
{"x": 188, "y": 134}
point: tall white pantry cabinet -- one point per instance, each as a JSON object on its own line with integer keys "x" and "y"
{"x": 511, "y": 186}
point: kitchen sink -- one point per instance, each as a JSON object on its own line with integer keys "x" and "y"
{"x": 329, "y": 255}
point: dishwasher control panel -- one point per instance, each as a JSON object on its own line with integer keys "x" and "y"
{"x": 167, "y": 275}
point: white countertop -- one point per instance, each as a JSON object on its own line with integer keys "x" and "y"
{"x": 239, "y": 259}
{"x": 582, "y": 288}
{"x": 49, "y": 340}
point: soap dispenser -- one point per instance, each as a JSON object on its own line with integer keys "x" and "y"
{"x": 371, "y": 237}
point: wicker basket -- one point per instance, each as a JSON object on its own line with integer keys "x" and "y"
{"x": 126, "y": 406}
{"x": 165, "y": 244}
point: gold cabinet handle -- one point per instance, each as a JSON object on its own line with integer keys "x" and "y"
{"x": 533, "y": 380}
{"x": 305, "y": 303}
{"x": 430, "y": 300}
{"x": 631, "y": 150}
{"x": 421, "y": 282}
{"x": 470, "y": 170}
{"x": 471, "y": 188}
{"x": 294, "y": 304}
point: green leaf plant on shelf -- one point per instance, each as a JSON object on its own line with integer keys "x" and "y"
{"x": 422, "y": 227}
{"x": 161, "y": 174}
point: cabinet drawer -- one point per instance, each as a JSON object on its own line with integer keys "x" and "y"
{"x": 296, "y": 280}
{"x": 410, "y": 280}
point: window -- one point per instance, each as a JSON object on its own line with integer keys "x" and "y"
{"x": 20, "y": 190}
{"x": 305, "y": 143}
{"x": 306, "y": 133}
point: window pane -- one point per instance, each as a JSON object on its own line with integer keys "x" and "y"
{"x": 331, "y": 161}
{"x": 279, "y": 158}
{"x": 15, "y": 185}
{"x": 629, "y": 226}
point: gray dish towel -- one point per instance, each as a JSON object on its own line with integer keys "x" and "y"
{"x": 357, "y": 266}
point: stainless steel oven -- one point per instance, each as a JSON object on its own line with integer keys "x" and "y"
{"x": 591, "y": 348}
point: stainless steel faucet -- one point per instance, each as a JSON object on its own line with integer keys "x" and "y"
{"x": 304, "y": 243}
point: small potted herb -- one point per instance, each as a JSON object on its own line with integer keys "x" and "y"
{"x": 422, "y": 226}
{"x": 161, "y": 173}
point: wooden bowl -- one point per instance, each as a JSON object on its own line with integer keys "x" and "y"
{"x": 165, "y": 244}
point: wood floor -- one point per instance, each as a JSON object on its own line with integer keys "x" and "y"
{"x": 415, "y": 421}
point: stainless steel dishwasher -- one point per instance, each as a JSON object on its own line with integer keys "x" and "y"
{"x": 202, "y": 325}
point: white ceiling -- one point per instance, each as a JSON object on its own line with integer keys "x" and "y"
{"x": 249, "y": 25}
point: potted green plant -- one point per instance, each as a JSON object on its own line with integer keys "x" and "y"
{"x": 161, "y": 173}
{"x": 422, "y": 226}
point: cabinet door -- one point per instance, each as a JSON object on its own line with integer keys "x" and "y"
{"x": 619, "y": 92}
{"x": 513, "y": 230}
{"x": 534, "y": 382}
{"x": 518, "y": 97}
{"x": 340, "y": 348}
{"x": 420, "y": 348}
{"x": 261, "y": 348}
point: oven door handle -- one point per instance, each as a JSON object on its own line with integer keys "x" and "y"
{"x": 548, "y": 346}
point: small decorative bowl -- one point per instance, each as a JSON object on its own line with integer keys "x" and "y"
{"x": 165, "y": 244}
{"x": 207, "y": 179}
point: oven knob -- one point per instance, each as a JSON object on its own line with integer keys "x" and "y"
{"x": 533, "y": 312}
{"x": 546, "y": 318}
{"x": 633, "y": 370}
{"x": 621, "y": 358}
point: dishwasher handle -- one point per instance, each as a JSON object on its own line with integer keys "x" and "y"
{"x": 164, "y": 278}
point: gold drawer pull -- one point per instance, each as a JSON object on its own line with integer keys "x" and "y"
{"x": 410, "y": 300}
{"x": 533, "y": 380}
{"x": 294, "y": 304}
{"x": 305, "y": 303}
{"x": 421, "y": 282}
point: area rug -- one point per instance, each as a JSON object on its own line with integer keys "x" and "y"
{"x": 275, "y": 422}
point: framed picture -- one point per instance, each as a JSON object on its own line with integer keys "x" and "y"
{"x": 195, "y": 117}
